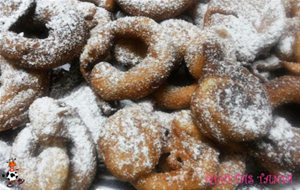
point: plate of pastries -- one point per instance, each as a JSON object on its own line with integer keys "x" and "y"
{"x": 149, "y": 94}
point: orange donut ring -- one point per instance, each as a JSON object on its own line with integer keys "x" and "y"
{"x": 283, "y": 90}
{"x": 155, "y": 9}
{"x": 18, "y": 89}
{"x": 112, "y": 84}
{"x": 64, "y": 42}
{"x": 228, "y": 103}
{"x": 189, "y": 161}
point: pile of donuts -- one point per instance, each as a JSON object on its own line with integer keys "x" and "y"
{"x": 172, "y": 94}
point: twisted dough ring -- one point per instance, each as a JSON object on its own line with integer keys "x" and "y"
{"x": 131, "y": 142}
{"x": 283, "y": 90}
{"x": 189, "y": 160}
{"x": 52, "y": 121}
{"x": 155, "y": 9}
{"x": 65, "y": 40}
{"x": 231, "y": 104}
{"x": 18, "y": 89}
{"x": 44, "y": 163}
{"x": 11, "y": 11}
{"x": 112, "y": 84}
{"x": 183, "y": 34}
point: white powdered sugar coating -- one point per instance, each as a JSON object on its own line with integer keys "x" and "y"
{"x": 199, "y": 13}
{"x": 12, "y": 10}
{"x": 231, "y": 104}
{"x": 156, "y": 9}
{"x": 64, "y": 122}
{"x": 18, "y": 90}
{"x": 281, "y": 147}
{"x": 182, "y": 33}
{"x": 197, "y": 159}
{"x": 256, "y": 25}
{"x": 285, "y": 46}
{"x": 5, "y": 154}
{"x": 262, "y": 68}
{"x": 67, "y": 35}
{"x": 90, "y": 108}
{"x": 282, "y": 130}
{"x": 25, "y": 148}
{"x": 129, "y": 52}
{"x": 131, "y": 142}
{"x": 113, "y": 84}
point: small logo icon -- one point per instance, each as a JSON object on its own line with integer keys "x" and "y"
{"x": 11, "y": 175}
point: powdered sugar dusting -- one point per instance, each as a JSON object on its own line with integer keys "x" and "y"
{"x": 67, "y": 35}
{"x": 156, "y": 9}
{"x": 90, "y": 108}
{"x": 65, "y": 123}
{"x": 18, "y": 90}
{"x": 131, "y": 142}
{"x": 281, "y": 146}
{"x": 12, "y": 10}
{"x": 257, "y": 25}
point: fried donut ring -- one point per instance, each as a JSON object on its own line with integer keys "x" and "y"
{"x": 182, "y": 33}
{"x": 51, "y": 160}
{"x": 293, "y": 68}
{"x": 106, "y": 4}
{"x": 110, "y": 83}
{"x": 174, "y": 97}
{"x": 11, "y": 11}
{"x": 158, "y": 10}
{"x": 18, "y": 89}
{"x": 231, "y": 105}
{"x": 280, "y": 149}
{"x": 189, "y": 160}
{"x": 64, "y": 42}
{"x": 52, "y": 121}
{"x": 283, "y": 90}
{"x": 131, "y": 142}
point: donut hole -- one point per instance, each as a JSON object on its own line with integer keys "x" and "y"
{"x": 181, "y": 77}
{"x": 179, "y": 160}
{"x": 30, "y": 27}
{"x": 162, "y": 165}
{"x": 291, "y": 112}
{"x": 129, "y": 51}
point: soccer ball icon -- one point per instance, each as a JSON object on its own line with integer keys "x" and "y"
{"x": 11, "y": 175}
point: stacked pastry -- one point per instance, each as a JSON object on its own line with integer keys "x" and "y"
{"x": 166, "y": 94}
